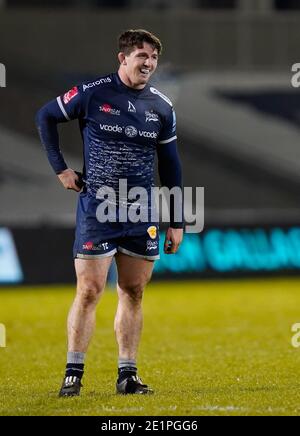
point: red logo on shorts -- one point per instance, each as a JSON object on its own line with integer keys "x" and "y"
{"x": 88, "y": 246}
{"x": 70, "y": 94}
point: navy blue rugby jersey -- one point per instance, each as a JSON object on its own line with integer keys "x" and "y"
{"x": 121, "y": 128}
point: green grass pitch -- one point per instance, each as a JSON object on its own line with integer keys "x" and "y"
{"x": 208, "y": 348}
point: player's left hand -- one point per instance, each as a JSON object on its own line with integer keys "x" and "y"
{"x": 173, "y": 240}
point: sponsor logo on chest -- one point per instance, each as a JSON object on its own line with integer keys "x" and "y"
{"x": 96, "y": 83}
{"x": 129, "y": 131}
{"x": 107, "y": 109}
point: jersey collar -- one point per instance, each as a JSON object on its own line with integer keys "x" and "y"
{"x": 127, "y": 88}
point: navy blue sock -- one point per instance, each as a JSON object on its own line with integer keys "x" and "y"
{"x": 74, "y": 369}
{"x": 126, "y": 372}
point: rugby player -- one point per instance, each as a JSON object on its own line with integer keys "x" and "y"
{"x": 124, "y": 122}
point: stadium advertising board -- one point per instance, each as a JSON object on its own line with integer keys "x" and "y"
{"x": 216, "y": 252}
{"x": 10, "y": 268}
{"x": 233, "y": 251}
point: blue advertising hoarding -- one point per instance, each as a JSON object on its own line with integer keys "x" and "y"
{"x": 236, "y": 250}
{"x": 10, "y": 268}
{"x": 216, "y": 252}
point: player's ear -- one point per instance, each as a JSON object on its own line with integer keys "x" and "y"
{"x": 122, "y": 58}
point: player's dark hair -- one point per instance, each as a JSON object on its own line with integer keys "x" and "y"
{"x": 130, "y": 39}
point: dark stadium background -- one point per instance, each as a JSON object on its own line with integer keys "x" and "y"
{"x": 227, "y": 67}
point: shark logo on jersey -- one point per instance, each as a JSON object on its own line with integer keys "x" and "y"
{"x": 152, "y": 245}
{"x": 151, "y": 116}
{"x": 131, "y": 107}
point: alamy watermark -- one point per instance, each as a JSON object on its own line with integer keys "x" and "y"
{"x": 2, "y": 76}
{"x": 141, "y": 205}
{"x": 295, "y": 81}
{"x": 2, "y": 336}
{"x": 296, "y": 338}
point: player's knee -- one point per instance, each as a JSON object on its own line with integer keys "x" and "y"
{"x": 89, "y": 292}
{"x": 132, "y": 290}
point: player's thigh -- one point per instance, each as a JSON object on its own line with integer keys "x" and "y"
{"x": 92, "y": 273}
{"x": 133, "y": 272}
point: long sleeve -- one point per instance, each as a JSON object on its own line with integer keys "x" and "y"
{"x": 47, "y": 119}
{"x": 170, "y": 173}
{"x": 66, "y": 107}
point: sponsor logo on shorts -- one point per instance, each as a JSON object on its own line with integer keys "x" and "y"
{"x": 96, "y": 83}
{"x": 152, "y": 245}
{"x": 152, "y": 232}
{"x": 90, "y": 246}
{"x": 70, "y": 95}
{"x": 106, "y": 108}
{"x": 151, "y": 116}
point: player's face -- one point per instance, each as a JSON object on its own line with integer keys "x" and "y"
{"x": 140, "y": 65}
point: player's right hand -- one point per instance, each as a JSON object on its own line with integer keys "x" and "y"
{"x": 68, "y": 178}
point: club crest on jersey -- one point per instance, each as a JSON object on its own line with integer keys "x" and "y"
{"x": 131, "y": 107}
{"x": 131, "y": 131}
{"x": 151, "y": 116}
{"x": 152, "y": 232}
{"x": 70, "y": 94}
